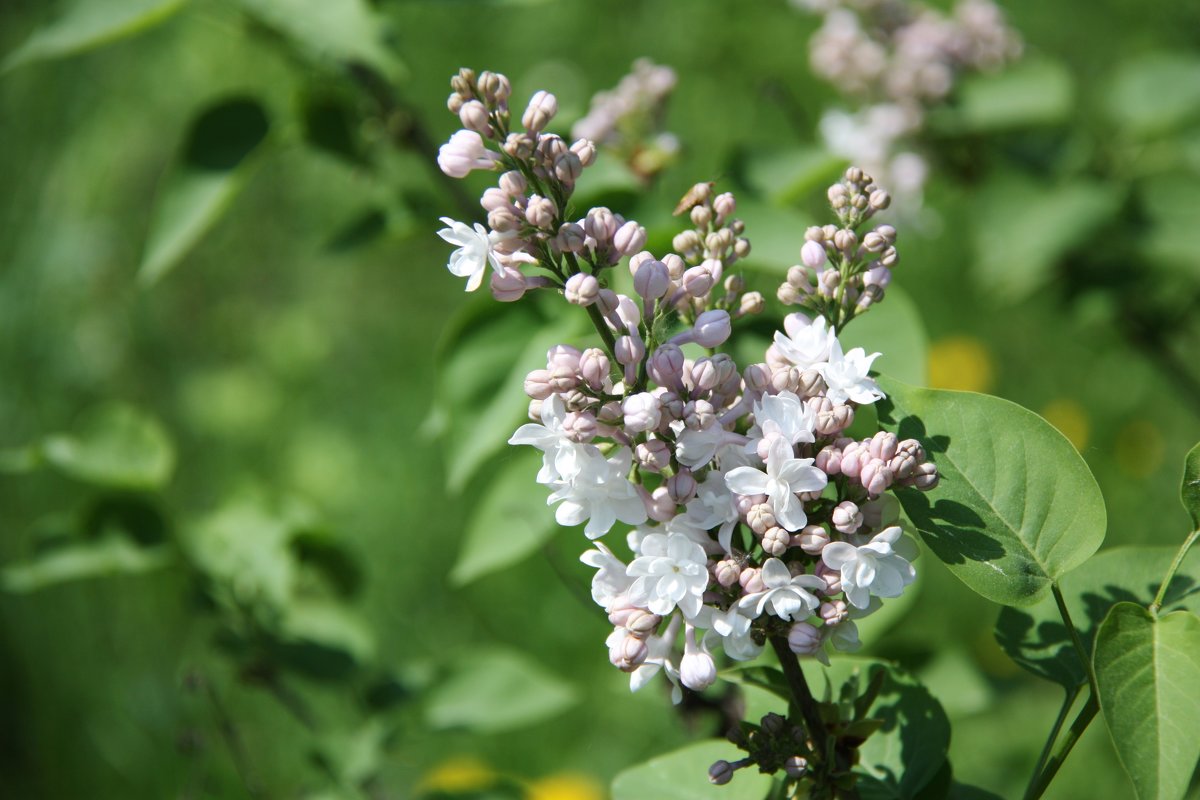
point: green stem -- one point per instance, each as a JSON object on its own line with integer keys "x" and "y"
{"x": 1072, "y": 695}
{"x": 1037, "y": 787}
{"x": 594, "y": 313}
{"x": 1080, "y": 650}
{"x": 803, "y": 698}
{"x": 1162, "y": 590}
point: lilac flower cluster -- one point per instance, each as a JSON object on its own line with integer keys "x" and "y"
{"x": 752, "y": 514}
{"x": 894, "y": 59}
{"x": 628, "y": 118}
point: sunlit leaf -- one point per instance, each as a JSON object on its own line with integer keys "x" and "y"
{"x": 1189, "y": 490}
{"x": 115, "y": 446}
{"x": 683, "y": 775}
{"x": 323, "y": 639}
{"x": 211, "y": 170}
{"x": 507, "y": 522}
{"x": 86, "y": 24}
{"x": 95, "y": 558}
{"x": 1147, "y": 671}
{"x": 1024, "y": 229}
{"x": 1016, "y": 507}
{"x": 1036, "y": 638}
{"x": 1155, "y": 93}
{"x": 489, "y": 691}
{"x": 346, "y": 30}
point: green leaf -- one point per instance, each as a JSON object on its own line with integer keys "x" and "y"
{"x": 1156, "y": 93}
{"x": 683, "y": 775}
{"x": 909, "y": 751}
{"x": 330, "y": 122}
{"x": 1147, "y": 671}
{"x": 114, "y": 445}
{"x": 1024, "y": 228}
{"x": 894, "y": 327}
{"x": 776, "y": 235}
{"x": 19, "y": 460}
{"x": 1036, "y": 638}
{"x": 242, "y": 550}
{"x": 212, "y": 169}
{"x": 86, "y": 24}
{"x": 96, "y": 558}
{"x": 788, "y": 176}
{"x": 348, "y": 30}
{"x": 490, "y": 691}
{"x": 323, "y": 639}
{"x": 1189, "y": 490}
{"x": 509, "y": 521}
{"x": 1016, "y": 507}
{"x": 1032, "y": 93}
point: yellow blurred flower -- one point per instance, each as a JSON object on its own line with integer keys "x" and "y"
{"x": 458, "y": 774}
{"x": 565, "y": 786}
{"x": 961, "y": 362}
{"x": 1071, "y": 420}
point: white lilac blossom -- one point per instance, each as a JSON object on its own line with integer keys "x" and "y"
{"x": 741, "y": 538}
{"x": 784, "y": 596}
{"x": 563, "y": 457}
{"x": 807, "y": 343}
{"x": 474, "y": 251}
{"x": 875, "y": 568}
{"x": 599, "y": 494}
{"x": 785, "y": 476}
{"x": 848, "y": 376}
{"x": 672, "y": 571}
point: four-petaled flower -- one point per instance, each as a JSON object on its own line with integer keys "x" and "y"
{"x": 599, "y": 494}
{"x": 784, "y": 478}
{"x": 671, "y": 572}
{"x": 474, "y": 251}
{"x": 847, "y": 376}
{"x": 806, "y": 343}
{"x": 785, "y": 596}
{"x": 879, "y": 567}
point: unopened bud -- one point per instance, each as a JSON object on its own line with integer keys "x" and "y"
{"x": 653, "y": 456}
{"x": 796, "y": 767}
{"x": 568, "y": 167}
{"x": 712, "y": 328}
{"x": 697, "y": 281}
{"x": 751, "y": 580}
{"x": 776, "y": 541}
{"x": 720, "y": 773}
{"x": 641, "y": 412}
{"x": 725, "y": 206}
{"x": 675, "y": 266}
{"x": 541, "y": 109}
{"x": 682, "y": 486}
{"x": 580, "y": 426}
{"x": 846, "y": 517}
{"x": 701, "y": 216}
{"x": 586, "y": 150}
{"x": 629, "y": 238}
{"x": 812, "y": 254}
{"x": 540, "y": 212}
{"x": 752, "y": 303}
{"x": 834, "y": 613}
{"x": 507, "y": 284}
{"x": 474, "y": 117}
{"x": 726, "y": 572}
{"x": 652, "y": 280}
{"x": 571, "y": 238}
{"x": 582, "y": 289}
{"x": 812, "y": 539}
{"x": 804, "y": 639}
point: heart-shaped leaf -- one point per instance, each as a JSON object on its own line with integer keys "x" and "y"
{"x": 1016, "y": 507}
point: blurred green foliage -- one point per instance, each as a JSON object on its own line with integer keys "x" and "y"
{"x": 241, "y": 570}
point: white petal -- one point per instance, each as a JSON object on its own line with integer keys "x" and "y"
{"x": 746, "y": 480}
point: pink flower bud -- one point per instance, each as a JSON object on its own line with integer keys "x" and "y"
{"x": 670, "y": 403}
{"x": 651, "y": 280}
{"x": 629, "y": 238}
{"x": 507, "y": 284}
{"x": 832, "y": 578}
{"x": 834, "y": 613}
{"x": 541, "y": 109}
{"x": 581, "y": 289}
{"x": 751, "y": 580}
{"x": 563, "y": 355}
{"x": 700, "y": 216}
{"x": 537, "y": 384}
{"x": 834, "y": 420}
{"x": 540, "y": 212}
{"x": 760, "y": 518}
{"x": 712, "y": 328}
{"x": 776, "y": 541}
{"x": 827, "y": 283}
{"x": 513, "y": 184}
{"x": 535, "y": 410}
{"x": 675, "y": 266}
{"x": 474, "y": 117}
{"x": 568, "y": 168}
{"x": 697, "y": 281}
{"x": 785, "y": 379}
{"x": 571, "y": 238}
{"x": 829, "y": 460}
{"x": 600, "y": 224}
{"x": 812, "y": 539}
{"x": 660, "y": 507}
{"x": 757, "y": 377}
{"x": 686, "y": 242}
{"x": 702, "y": 377}
{"x": 641, "y": 412}
{"x": 924, "y": 477}
{"x": 853, "y": 456}
{"x": 883, "y": 445}
{"x": 725, "y": 206}
{"x": 699, "y": 415}
{"x": 666, "y": 365}
{"x": 627, "y": 653}
{"x": 629, "y": 350}
{"x": 653, "y": 456}
{"x": 875, "y": 477}
{"x": 697, "y": 670}
{"x": 594, "y": 368}
{"x": 812, "y": 254}
{"x": 726, "y": 572}
{"x": 586, "y": 150}
{"x": 463, "y": 153}
{"x": 744, "y": 502}
{"x": 563, "y": 378}
{"x": 804, "y": 639}
{"x": 751, "y": 303}
{"x": 715, "y": 267}
{"x": 682, "y": 486}
{"x": 580, "y": 426}
{"x": 641, "y": 623}
{"x": 846, "y": 517}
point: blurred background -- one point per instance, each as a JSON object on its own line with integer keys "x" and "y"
{"x": 241, "y": 554}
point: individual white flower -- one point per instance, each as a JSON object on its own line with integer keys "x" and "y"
{"x": 878, "y": 567}
{"x": 464, "y": 152}
{"x": 563, "y": 458}
{"x": 600, "y": 494}
{"x": 697, "y": 670}
{"x": 847, "y": 376}
{"x": 784, "y": 415}
{"x": 611, "y": 583}
{"x": 732, "y": 629}
{"x": 806, "y": 343}
{"x": 713, "y": 506}
{"x": 785, "y": 596}
{"x": 784, "y": 478}
{"x": 658, "y": 659}
{"x": 671, "y": 572}
{"x": 474, "y": 251}
{"x": 695, "y": 448}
